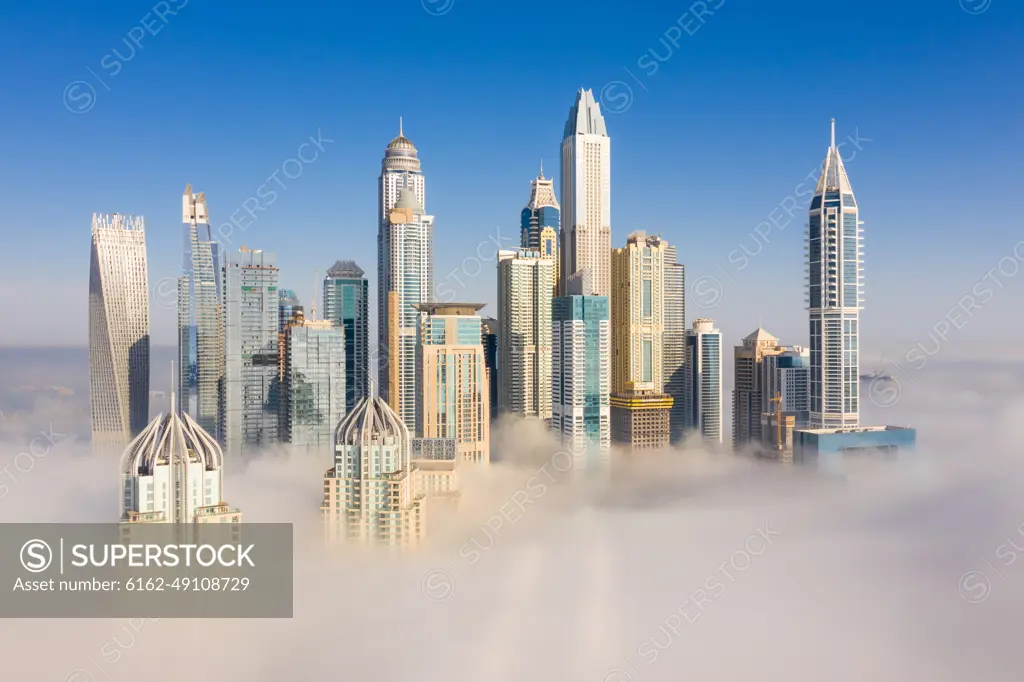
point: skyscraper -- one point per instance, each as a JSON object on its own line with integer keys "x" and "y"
{"x": 250, "y": 398}
{"x": 674, "y": 342}
{"x": 835, "y": 293}
{"x": 704, "y": 380}
{"x": 539, "y": 224}
{"x": 453, "y": 396}
{"x": 586, "y": 195}
{"x": 581, "y": 377}
{"x": 312, "y": 392}
{"x": 639, "y": 407}
{"x": 173, "y": 472}
{"x": 118, "y": 330}
{"x": 406, "y": 279}
{"x": 369, "y": 493}
{"x": 638, "y": 305}
{"x": 784, "y": 392}
{"x": 489, "y": 331}
{"x": 524, "y": 343}
{"x": 346, "y": 293}
{"x": 748, "y": 396}
{"x": 288, "y": 307}
{"x": 200, "y": 316}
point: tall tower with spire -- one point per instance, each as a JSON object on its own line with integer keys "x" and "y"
{"x": 835, "y": 283}
{"x": 539, "y": 222}
{"x": 405, "y": 272}
{"x": 586, "y": 195}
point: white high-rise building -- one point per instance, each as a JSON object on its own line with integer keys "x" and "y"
{"x": 118, "y": 330}
{"x": 405, "y": 280}
{"x": 524, "y": 343}
{"x": 173, "y": 472}
{"x": 586, "y": 195}
{"x": 835, "y": 281}
{"x": 704, "y": 380}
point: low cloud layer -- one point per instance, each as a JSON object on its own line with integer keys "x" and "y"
{"x": 697, "y": 565}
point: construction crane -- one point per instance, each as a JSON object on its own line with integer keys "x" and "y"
{"x": 778, "y": 421}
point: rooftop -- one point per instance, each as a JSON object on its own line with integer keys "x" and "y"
{"x": 449, "y": 308}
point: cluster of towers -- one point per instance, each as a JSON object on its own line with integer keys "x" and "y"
{"x": 590, "y": 339}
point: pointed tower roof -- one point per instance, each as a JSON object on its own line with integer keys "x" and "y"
{"x": 585, "y": 116}
{"x": 542, "y": 192}
{"x": 345, "y": 268}
{"x": 833, "y": 174}
{"x": 372, "y": 419}
{"x": 759, "y": 336}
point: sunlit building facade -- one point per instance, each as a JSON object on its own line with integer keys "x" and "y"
{"x": 369, "y": 493}
{"x": 454, "y": 400}
{"x": 200, "y": 316}
{"x": 704, "y": 381}
{"x": 835, "y": 280}
{"x": 118, "y": 330}
{"x": 586, "y": 196}
{"x": 524, "y": 342}
{"x": 539, "y": 224}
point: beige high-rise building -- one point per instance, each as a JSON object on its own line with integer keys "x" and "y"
{"x": 747, "y": 399}
{"x": 524, "y": 338}
{"x": 638, "y": 314}
{"x": 451, "y": 374}
{"x": 638, "y": 309}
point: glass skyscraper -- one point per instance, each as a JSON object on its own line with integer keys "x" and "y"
{"x": 704, "y": 380}
{"x": 835, "y": 282}
{"x": 345, "y": 304}
{"x": 312, "y": 391}
{"x": 251, "y": 388}
{"x": 539, "y": 224}
{"x": 200, "y": 322}
{"x": 288, "y": 305}
{"x": 581, "y": 378}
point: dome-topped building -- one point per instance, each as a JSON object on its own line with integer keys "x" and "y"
{"x": 369, "y": 493}
{"x": 173, "y": 472}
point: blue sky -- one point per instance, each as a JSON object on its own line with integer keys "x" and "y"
{"x": 728, "y": 126}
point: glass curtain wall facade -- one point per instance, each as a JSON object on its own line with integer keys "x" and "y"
{"x": 200, "y": 317}
{"x": 346, "y": 292}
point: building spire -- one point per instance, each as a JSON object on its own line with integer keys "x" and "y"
{"x": 832, "y": 145}
{"x": 400, "y": 126}
{"x": 542, "y": 168}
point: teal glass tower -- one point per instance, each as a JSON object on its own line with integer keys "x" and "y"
{"x": 312, "y": 391}
{"x": 345, "y": 305}
{"x": 581, "y": 378}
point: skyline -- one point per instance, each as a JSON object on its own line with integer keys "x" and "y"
{"x": 905, "y": 134}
